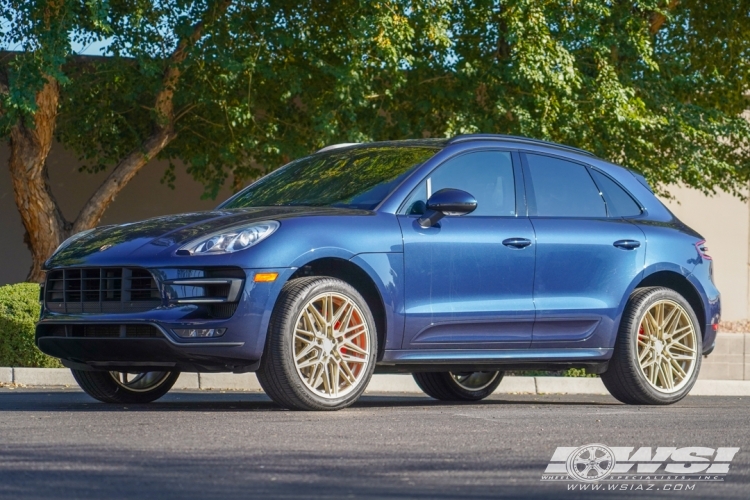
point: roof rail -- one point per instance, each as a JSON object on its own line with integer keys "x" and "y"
{"x": 337, "y": 146}
{"x": 516, "y": 138}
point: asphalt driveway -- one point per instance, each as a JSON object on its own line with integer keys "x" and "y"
{"x": 202, "y": 444}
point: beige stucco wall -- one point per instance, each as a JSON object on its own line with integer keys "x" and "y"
{"x": 723, "y": 219}
{"x": 142, "y": 198}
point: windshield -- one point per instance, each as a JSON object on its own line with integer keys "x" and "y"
{"x": 352, "y": 178}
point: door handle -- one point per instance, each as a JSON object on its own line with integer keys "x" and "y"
{"x": 627, "y": 244}
{"x": 517, "y": 242}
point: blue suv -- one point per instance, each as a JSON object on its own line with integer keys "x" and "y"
{"x": 453, "y": 260}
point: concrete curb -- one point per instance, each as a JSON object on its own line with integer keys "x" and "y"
{"x": 389, "y": 384}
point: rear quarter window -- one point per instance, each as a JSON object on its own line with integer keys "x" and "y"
{"x": 619, "y": 202}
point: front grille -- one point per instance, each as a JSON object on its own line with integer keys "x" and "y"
{"x": 101, "y": 331}
{"x": 101, "y": 290}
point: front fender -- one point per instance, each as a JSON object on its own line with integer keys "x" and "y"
{"x": 384, "y": 269}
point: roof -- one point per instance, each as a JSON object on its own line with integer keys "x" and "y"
{"x": 462, "y": 138}
{"x": 518, "y": 139}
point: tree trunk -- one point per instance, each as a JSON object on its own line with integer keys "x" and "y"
{"x": 45, "y": 225}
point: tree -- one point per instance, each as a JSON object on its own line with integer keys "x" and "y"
{"x": 233, "y": 89}
{"x": 214, "y": 84}
{"x": 658, "y": 86}
{"x": 31, "y": 88}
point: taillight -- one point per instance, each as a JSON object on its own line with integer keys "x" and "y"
{"x": 702, "y": 249}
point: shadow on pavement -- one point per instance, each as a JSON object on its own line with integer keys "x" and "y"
{"x": 214, "y": 401}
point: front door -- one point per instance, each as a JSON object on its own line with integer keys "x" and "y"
{"x": 587, "y": 253}
{"x": 469, "y": 279}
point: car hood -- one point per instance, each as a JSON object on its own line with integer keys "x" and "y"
{"x": 123, "y": 239}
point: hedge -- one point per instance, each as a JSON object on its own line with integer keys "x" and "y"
{"x": 19, "y": 311}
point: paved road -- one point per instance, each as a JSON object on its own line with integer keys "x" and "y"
{"x": 62, "y": 444}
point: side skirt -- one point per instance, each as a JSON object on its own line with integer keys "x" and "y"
{"x": 431, "y": 360}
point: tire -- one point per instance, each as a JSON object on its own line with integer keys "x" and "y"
{"x": 108, "y": 387}
{"x": 308, "y": 364}
{"x": 647, "y": 382}
{"x": 447, "y": 386}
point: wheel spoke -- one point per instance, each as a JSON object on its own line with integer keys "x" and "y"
{"x": 644, "y": 352}
{"x": 668, "y": 373}
{"x": 351, "y": 359}
{"x": 350, "y": 346}
{"x": 319, "y": 321}
{"x": 682, "y": 347}
{"x": 344, "y": 309}
{"x": 676, "y": 367}
{"x": 318, "y": 375}
{"x": 301, "y": 333}
{"x": 329, "y": 310}
{"x": 682, "y": 357}
{"x": 346, "y": 372}
{"x": 671, "y": 321}
{"x": 307, "y": 350}
{"x": 654, "y": 373}
{"x": 651, "y": 360}
{"x": 308, "y": 363}
{"x": 335, "y": 376}
{"x": 683, "y": 332}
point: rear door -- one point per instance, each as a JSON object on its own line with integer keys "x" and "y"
{"x": 468, "y": 280}
{"x": 587, "y": 254}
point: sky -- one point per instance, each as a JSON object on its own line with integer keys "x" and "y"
{"x": 94, "y": 49}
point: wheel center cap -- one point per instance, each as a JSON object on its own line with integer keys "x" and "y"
{"x": 327, "y": 346}
{"x": 659, "y": 346}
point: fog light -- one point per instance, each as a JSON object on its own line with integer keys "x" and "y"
{"x": 188, "y": 333}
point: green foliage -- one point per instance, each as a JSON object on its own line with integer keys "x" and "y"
{"x": 570, "y": 372}
{"x": 19, "y": 312}
{"x": 271, "y": 81}
{"x": 578, "y": 372}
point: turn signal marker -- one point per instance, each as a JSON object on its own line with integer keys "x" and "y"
{"x": 265, "y": 277}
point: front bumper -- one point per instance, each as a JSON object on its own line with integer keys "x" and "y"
{"x": 238, "y": 350}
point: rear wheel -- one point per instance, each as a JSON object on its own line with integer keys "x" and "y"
{"x": 458, "y": 386}
{"x": 122, "y": 387}
{"x": 321, "y": 346}
{"x": 657, "y": 354}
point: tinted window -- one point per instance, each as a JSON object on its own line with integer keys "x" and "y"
{"x": 354, "y": 178}
{"x": 619, "y": 202}
{"x": 563, "y": 189}
{"x": 486, "y": 175}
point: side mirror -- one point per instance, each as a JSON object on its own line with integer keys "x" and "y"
{"x": 447, "y": 202}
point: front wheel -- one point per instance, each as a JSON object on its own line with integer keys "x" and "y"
{"x": 657, "y": 354}
{"x": 321, "y": 346}
{"x": 458, "y": 386}
{"x": 125, "y": 388}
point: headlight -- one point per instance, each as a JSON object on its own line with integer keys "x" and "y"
{"x": 77, "y": 236}
{"x": 230, "y": 240}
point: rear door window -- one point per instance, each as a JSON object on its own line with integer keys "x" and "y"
{"x": 560, "y": 188}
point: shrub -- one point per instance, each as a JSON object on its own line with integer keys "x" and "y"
{"x": 19, "y": 311}
{"x": 570, "y": 372}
